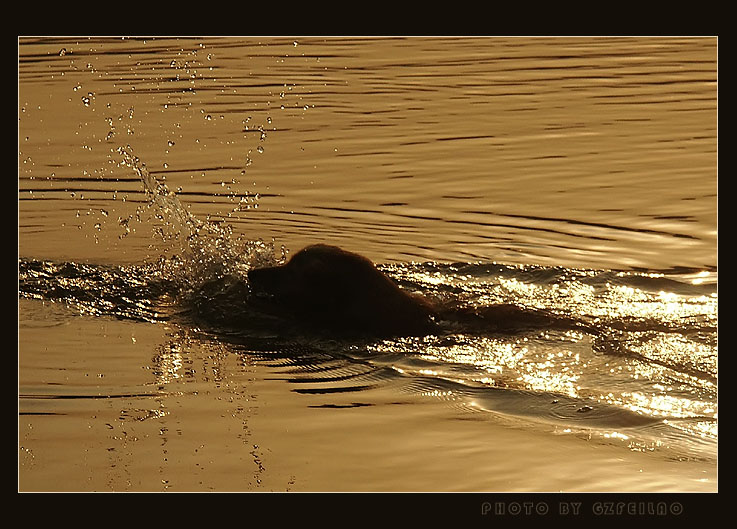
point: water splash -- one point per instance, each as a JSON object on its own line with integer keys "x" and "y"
{"x": 158, "y": 193}
{"x": 210, "y": 250}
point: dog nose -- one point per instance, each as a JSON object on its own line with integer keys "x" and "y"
{"x": 265, "y": 280}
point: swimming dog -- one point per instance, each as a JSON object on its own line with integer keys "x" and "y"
{"x": 344, "y": 292}
{"x": 328, "y": 288}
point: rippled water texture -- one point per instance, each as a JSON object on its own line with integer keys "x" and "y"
{"x": 588, "y": 153}
{"x": 571, "y": 178}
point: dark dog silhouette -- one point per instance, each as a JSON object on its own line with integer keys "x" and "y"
{"x": 344, "y": 292}
{"x": 327, "y": 288}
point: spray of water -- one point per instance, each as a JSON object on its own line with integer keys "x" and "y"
{"x": 210, "y": 251}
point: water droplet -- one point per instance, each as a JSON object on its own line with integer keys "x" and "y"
{"x": 268, "y": 119}
{"x": 260, "y": 149}
{"x": 171, "y": 143}
{"x": 62, "y": 52}
{"x": 295, "y": 43}
{"x": 208, "y": 117}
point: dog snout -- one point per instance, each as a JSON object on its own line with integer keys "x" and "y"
{"x": 266, "y": 280}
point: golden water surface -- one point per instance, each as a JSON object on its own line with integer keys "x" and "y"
{"x": 580, "y": 153}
